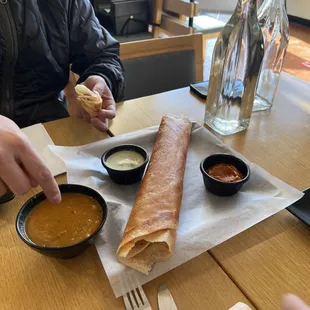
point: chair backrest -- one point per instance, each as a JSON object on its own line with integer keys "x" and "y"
{"x": 159, "y": 65}
{"x": 174, "y": 17}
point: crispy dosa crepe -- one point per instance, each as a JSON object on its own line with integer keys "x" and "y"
{"x": 150, "y": 233}
{"x": 90, "y": 102}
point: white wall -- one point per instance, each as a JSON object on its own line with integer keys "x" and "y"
{"x": 299, "y": 8}
{"x": 218, "y": 5}
{"x": 221, "y": 5}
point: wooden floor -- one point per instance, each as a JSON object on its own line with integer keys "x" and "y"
{"x": 297, "y": 60}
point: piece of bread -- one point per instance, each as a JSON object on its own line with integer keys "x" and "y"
{"x": 90, "y": 102}
{"x": 150, "y": 233}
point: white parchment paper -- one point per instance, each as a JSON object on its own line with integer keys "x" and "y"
{"x": 40, "y": 140}
{"x": 205, "y": 220}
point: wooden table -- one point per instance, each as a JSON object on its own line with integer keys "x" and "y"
{"x": 32, "y": 281}
{"x": 273, "y": 257}
{"x": 256, "y": 267}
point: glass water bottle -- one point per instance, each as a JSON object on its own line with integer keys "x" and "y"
{"x": 274, "y": 24}
{"x": 236, "y": 62}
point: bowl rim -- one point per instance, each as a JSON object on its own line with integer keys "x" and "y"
{"x": 61, "y": 186}
{"x": 245, "y": 179}
{"x": 104, "y": 157}
{"x": 9, "y": 195}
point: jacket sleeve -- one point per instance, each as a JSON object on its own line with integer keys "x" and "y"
{"x": 93, "y": 51}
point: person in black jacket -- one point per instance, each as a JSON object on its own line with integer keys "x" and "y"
{"x": 40, "y": 40}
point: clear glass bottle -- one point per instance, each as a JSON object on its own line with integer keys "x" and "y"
{"x": 236, "y": 62}
{"x": 274, "y": 23}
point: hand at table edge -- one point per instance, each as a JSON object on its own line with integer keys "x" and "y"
{"x": 292, "y": 302}
{"x": 21, "y": 167}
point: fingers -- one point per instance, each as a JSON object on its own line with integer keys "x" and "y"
{"x": 101, "y": 121}
{"x": 3, "y": 188}
{"x": 96, "y": 84}
{"x": 20, "y": 166}
{"x": 85, "y": 115}
{"x": 32, "y": 181}
{"x": 40, "y": 174}
{"x": 108, "y": 107}
{"x": 292, "y": 302}
{"x": 14, "y": 177}
{"x": 100, "y": 125}
{"x": 100, "y": 88}
{"x": 106, "y": 114}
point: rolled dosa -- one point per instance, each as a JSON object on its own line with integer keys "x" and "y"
{"x": 90, "y": 101}
{"x": 150, "y": 233}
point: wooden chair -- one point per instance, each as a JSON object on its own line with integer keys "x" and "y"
{"x": 159, "y": 65}
{"x": 177, "y": 17}
{"x": 211, "y": 23}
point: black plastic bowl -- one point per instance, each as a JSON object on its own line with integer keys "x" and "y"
{"x": 8, "y": 196}
{"x": 66, "y": 251}
{"x": 126, "y": 177}
{"x": 220, "y": 188}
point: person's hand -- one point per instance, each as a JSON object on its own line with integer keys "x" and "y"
{"x": 20, "y": 166}
{"x": 292, "y": 302}
{"x": 98, "y": 85}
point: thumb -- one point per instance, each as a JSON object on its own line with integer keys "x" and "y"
{"x": 100, "y": 88}
{"x": 292, "y": 302}
{"x": 97, "y": 92}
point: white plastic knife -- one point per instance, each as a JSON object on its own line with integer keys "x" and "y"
{"x": 240, "y": 306}
{"x": 165, "y": 299}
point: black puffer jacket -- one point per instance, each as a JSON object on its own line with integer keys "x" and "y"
{"x": 39, "y": 39}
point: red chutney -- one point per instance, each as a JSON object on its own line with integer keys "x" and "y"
{"x": 225, "y": 173}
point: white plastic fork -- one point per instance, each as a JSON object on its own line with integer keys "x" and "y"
{"x": 135, "y": 297}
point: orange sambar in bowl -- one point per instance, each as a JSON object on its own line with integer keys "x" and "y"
{"x": 58, "y": 225}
